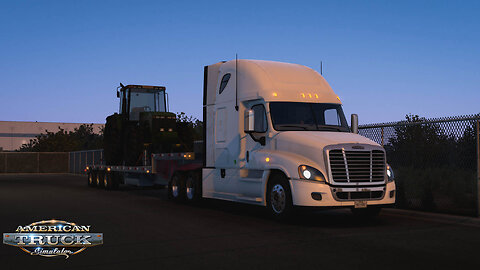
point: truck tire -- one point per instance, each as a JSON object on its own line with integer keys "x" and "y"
{"x": 279, "y": 197}
{"x": 193, "y": 188}
{"x": 176, "y": 187}
{"x": 369, "y": 212}
{"x": 90, "y": 179}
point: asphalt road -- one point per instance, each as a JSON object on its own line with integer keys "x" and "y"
{"x": 143, "y": 229}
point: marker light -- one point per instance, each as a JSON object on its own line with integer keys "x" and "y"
{"x": 338, "y": 98}
{"x": 310, "y": 95}
{"x": 267, "y": 159}
{"x": 274, "y": 94}
{"x": 303, "y": 95}
{"x": 316, "y": 96}
{"x": 108, "y": 169}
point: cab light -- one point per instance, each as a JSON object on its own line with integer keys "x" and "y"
{"x": 338, "y": 98}
{"x": 267, "y": 159}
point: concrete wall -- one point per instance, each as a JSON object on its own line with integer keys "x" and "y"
{"x": 25, "y": 162}
{"x": 13, "y": 134}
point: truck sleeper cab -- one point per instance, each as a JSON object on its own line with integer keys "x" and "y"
{"x": 275, "y": 135}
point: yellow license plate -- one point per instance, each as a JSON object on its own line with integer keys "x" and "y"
{"x": 360, "y": 204}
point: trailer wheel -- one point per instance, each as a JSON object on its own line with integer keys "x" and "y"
{"x": 279, "y": 197}
{"x": 108, "y": 180}
{"x": 90, "y": 179}
{"x": 99, "y": 179}
{"x": 176, "y": 187}
{"x": 193, "y": 188}
{"x": 94, "y": 178}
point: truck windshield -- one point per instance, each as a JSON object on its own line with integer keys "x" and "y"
{"x": 308, "y": 116}
{"x": 147, "y": 101}
{"x": 142, "y": 100}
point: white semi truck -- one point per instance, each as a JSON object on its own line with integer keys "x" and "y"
{"x": 274, "y": 135}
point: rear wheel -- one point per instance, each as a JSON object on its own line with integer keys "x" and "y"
{"x": 279, "y": 197}
{"x": 193, "y": 189}
{"x": 176, "y": 187}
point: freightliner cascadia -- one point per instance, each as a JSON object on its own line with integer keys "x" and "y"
{"x": 274, "y": 134}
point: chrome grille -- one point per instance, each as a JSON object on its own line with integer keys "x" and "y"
{"x": 357, "y": 166}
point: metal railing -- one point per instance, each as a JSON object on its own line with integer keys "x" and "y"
{"x": 436, "y": 162}
{"x": 80, "y": 159}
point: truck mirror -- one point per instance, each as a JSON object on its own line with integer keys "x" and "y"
{"x": 118, "y": 94}
{"x": 249, "y": 121}
{"x": 354, "y": 122}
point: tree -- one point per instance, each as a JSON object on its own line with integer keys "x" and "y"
{"x": 81, "y": 138}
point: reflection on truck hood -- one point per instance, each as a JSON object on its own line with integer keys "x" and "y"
{"x": 310, "y": 144}
{"x": 320, "y": 139}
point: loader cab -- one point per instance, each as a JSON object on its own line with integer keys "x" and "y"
{"x": 135, "y": 99}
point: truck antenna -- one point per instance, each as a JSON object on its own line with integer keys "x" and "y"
{"x": 236, "y": 82}
{"x": 321, "y": 67}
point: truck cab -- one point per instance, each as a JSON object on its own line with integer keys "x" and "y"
{"x": 276, "y": 135}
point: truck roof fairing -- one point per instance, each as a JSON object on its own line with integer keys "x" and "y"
{"x": 277, "y": 81}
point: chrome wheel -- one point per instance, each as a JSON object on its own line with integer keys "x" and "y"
{"x": 278, "y": 198}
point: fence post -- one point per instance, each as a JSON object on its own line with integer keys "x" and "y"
{"x": 382, "y": 136}
{"x": 478, "y": 167}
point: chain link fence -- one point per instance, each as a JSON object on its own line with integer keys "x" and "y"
{"x": 435, "y": 161}
{"x": 80, "y": 159}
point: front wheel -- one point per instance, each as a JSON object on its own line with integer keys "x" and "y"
{"x": 279, "y": 198}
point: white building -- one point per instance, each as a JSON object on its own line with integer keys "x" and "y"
{"x": 13, "y": 134}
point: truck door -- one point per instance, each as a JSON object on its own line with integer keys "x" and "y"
{"x": 250, "y": 184}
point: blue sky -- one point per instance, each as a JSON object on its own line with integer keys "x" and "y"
{"x": 62, "y": 60}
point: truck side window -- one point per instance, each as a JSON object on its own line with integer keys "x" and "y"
{"x": 331, "y": 117}
{"x": 260, "y": 124}
{"x": 224, "y": 82}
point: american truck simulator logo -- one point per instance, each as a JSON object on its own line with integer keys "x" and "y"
{"x": 50, "y": 238}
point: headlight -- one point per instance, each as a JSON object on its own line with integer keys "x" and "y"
{"x": 390, "y": 175}
{"x": 310, "y": 173}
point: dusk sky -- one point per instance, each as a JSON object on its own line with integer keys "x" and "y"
{"x": 61, "y": 61}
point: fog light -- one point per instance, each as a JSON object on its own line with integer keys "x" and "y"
{"x": 317, "y": 196}
{"x": 392, "y": 193}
